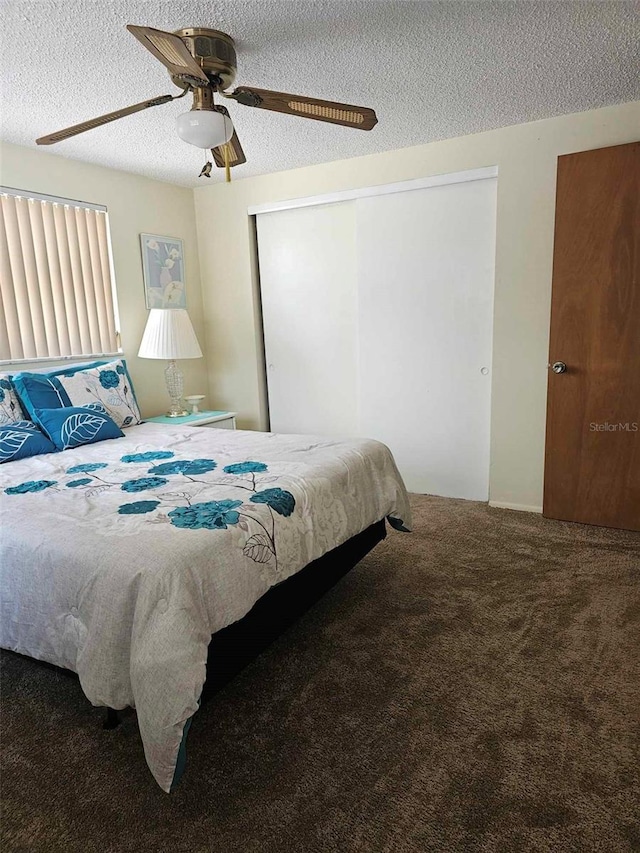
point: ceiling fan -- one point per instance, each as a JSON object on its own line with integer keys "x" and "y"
{"x": 203, "y": 62}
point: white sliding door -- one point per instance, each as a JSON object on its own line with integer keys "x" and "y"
{"x": 309, "y": 304}
{"x": 378, "y": 322}
{"x": 425, "y": 263}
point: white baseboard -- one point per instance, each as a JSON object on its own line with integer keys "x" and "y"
{"x": 519, "y": 507}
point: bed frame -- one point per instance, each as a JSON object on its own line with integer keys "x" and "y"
{"x": 232, "y": 648}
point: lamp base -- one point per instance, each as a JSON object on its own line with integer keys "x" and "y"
{"x": 173, "y": 378}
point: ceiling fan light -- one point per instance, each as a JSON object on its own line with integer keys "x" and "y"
{"x": 204, "y": 128}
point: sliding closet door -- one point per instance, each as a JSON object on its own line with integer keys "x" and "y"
{"x": 378, "y": 322}
{"x": 309, "y": 304}
{"x": 425, "y": 263}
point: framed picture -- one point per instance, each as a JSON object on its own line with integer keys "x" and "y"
{"x": 163, "y": 270}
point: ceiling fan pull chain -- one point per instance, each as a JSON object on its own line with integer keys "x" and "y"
{"x": 227, "y": 169}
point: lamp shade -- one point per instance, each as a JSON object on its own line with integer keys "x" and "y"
{"x": 204, "y": 128}
{"x": 169, "y": 334}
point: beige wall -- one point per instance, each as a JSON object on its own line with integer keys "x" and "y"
{"x": 526, "y": 158}
{"x": 135, "y": 205}
{"x": 225, "y": 309}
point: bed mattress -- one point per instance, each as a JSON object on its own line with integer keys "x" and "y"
{"x": 120, "y": 559}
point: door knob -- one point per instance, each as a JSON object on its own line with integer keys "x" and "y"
{"x": 559, "y": 367}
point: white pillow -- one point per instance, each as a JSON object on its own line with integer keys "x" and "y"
{"x": 109, "y": 385}
{"x": 10, "y": 408}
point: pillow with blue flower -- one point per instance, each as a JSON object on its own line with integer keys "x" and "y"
{"x": 107, "y": 384}
{"x": 73, "y": 426}
{"x": 10, "y": 408}
{"x": 110, "y": 385}
{"x": 21, "y": 439}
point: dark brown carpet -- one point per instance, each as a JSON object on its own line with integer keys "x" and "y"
{"x": 474, "y": 686}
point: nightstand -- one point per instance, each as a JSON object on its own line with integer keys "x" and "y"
{"x": 212, "y": 420}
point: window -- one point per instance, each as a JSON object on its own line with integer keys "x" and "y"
{"x": 57, "y": 295}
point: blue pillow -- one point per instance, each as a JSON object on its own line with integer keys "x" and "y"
{"x": 104, "y": 382}
{"x": 40, "y": 391}
{"x": 73, "y": 426}
{"x": 21, "y": 439}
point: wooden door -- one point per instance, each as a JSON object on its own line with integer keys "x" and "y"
{"x": 592, "y": 463}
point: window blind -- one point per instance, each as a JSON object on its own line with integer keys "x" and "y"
{"x": 56, "y": 288}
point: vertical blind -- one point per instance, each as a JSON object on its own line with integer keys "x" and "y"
{"x": 56, "y": 289}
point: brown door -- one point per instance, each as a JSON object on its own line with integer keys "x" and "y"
{"x": 592, "y": 462}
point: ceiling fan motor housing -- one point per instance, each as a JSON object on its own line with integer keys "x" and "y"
{"x": 215, "y": 53}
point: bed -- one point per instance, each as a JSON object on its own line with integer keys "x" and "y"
{"x": 120, "y": 559}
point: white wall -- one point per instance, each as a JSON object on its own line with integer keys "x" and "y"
{"x": 135, "y": 205}
{"x": 526, "y": 158}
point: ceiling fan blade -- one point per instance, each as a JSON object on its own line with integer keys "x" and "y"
{"x": 171, "y": 51}
{"x": 361, "y": 118}
{"x": 236, "y": 154}
{"x": 60, "y": 135}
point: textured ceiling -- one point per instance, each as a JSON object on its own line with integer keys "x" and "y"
{"x": 431, "y": 70}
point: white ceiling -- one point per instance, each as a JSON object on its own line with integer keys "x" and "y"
{"x": 431, "y": 70}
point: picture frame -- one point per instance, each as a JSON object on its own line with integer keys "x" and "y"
{"x": 163, "y": 271}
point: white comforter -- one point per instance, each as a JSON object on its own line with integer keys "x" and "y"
{"x": 120, "y": 566}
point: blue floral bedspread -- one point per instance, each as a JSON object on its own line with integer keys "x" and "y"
{"x": 120, "y": 559}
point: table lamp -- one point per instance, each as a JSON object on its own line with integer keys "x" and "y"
{"x": 169, "y": 334}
